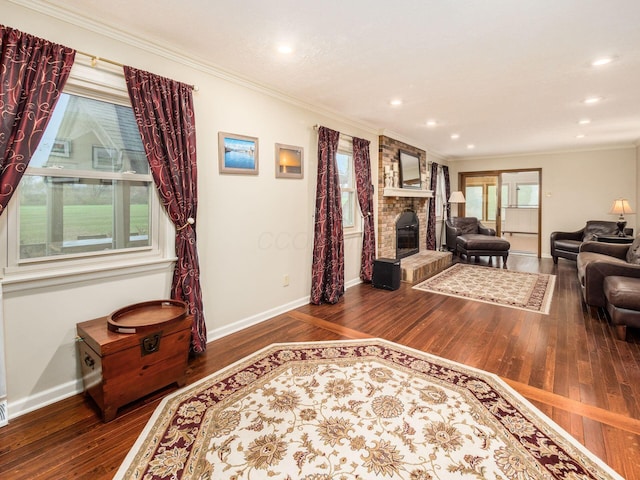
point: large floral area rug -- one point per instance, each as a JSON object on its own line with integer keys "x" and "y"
{"x": 523, "y": 290}
{"x": 350, "y": 410}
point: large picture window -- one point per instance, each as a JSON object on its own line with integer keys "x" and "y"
{"x": 87, "y": 197}
{"x": 87, "y": 188}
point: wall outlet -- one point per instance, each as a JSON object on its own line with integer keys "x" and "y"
{"x": 285, "y": 280}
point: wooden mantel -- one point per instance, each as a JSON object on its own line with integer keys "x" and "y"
{"x": 406, "y": 192}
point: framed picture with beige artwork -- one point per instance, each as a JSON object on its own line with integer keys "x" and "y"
{"x": 289, "y": 161}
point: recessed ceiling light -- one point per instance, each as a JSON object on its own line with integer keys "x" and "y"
{"x": 584, "y": 121}
{"x": 602, "y": 61}
{"x": 580, "y": 135}
{"x": 431, "y": 123}
{"x": 455, "y": 136}
{"x": 285, "y": 49}
{"x": 471, "y": 146}
{"x": 396, "y": 102}
{"x": 591, "y": 100}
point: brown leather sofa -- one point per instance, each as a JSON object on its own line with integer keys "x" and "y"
{"x": 567, "y": 244}
{"x": 597, "y": 261}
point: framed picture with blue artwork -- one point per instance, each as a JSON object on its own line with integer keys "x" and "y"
{"x": 237, "y": 154}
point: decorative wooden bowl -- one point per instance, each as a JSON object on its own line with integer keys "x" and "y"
{"x": 145, "y": 316}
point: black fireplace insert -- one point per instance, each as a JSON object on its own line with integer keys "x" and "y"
{"x": 407, "y": 234}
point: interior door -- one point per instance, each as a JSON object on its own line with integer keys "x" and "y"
{"x": 521, "y": 210}
{"x": 509, "y": 202}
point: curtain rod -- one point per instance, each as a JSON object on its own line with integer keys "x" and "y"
{"x": 95, "y": 59}
{"x": 317, "y": 126}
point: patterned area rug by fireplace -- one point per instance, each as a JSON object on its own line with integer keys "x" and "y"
{"x": 523, "y": 290}
{"x": 354, "y": 409}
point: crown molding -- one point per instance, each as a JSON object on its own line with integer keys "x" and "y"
{"x": 593, "y": 148}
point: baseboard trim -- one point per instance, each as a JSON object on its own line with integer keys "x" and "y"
{"x": 44, "y": 398}
{"x": 220, "y": 332}
{"x": 217, "y": 333}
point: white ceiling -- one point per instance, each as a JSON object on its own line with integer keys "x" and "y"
{"x": 508, "y": 75}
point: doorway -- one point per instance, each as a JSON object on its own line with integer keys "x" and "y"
{"x": 509, "y": 202}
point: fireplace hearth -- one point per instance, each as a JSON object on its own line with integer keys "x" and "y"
{"x": 407, "y": 234}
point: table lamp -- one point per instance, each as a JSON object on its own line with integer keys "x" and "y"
{"x": 620, "y": 207}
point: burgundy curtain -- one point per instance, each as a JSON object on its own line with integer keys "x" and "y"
{"x": 327, "y": 270}
{"x": 447, "y": 191}
{"x": 33, "y": 73}
{"x": 364, "y": 187}
{"x": 431, "y": 224}
{"x": 165, "y": 117}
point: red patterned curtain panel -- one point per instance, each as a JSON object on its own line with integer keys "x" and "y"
{"x": 364, "y": 187}
{"x": 33, "y": 73}
{"x": 327, "y": 270}
{"x": 447, "y": 189}
{"x": 431, "y": 224}
{"x": 164, "y": 112}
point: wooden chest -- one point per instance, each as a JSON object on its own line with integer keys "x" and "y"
{"x": 118, "y": 368}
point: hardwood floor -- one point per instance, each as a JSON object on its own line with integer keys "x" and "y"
{"x": 568, "y": 363}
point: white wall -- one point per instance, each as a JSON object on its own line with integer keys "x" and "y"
{"x": 637, "y": 202}
{"x": 576, "y": 186}
{"x": 252, "y": 230}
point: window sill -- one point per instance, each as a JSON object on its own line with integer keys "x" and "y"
{"x": 352, "y": 234}
{"x": 21, "y": 281}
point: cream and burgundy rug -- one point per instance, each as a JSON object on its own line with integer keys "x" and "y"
{"x": 348, "y": 410}
{"x": 523, "y": 290}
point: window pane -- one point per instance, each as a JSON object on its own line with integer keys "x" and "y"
{"x": 345, "y": 170}
{"x": 92, "y": 135}
{"x": 139, "y": 215}
{"x": 61, "y": 215}
{"x": 492, "y": 202}
{"x": 527, "y": 195}
{"x": 473, "y": 206}
{"x": 347, "y": 209}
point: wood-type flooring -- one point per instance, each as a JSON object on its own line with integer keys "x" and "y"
{"x": 568, "y": 363}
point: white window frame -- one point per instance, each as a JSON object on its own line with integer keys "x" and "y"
{"x": 345, "y": 147}
{"x": 107, "y": 84}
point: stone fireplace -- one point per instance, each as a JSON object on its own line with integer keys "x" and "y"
{"x": 392, "y": 206}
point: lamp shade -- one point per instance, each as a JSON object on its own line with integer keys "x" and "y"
{"x": 620, "y": 207}
{"x": 456, "y": 197}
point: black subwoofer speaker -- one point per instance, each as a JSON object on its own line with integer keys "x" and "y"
{"x": 386, "y": 273}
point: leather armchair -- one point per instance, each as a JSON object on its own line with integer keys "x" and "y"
{"x": 567, "y": 244}
{"x": 464, "y": 225}
{"x": 598, "y": 260}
